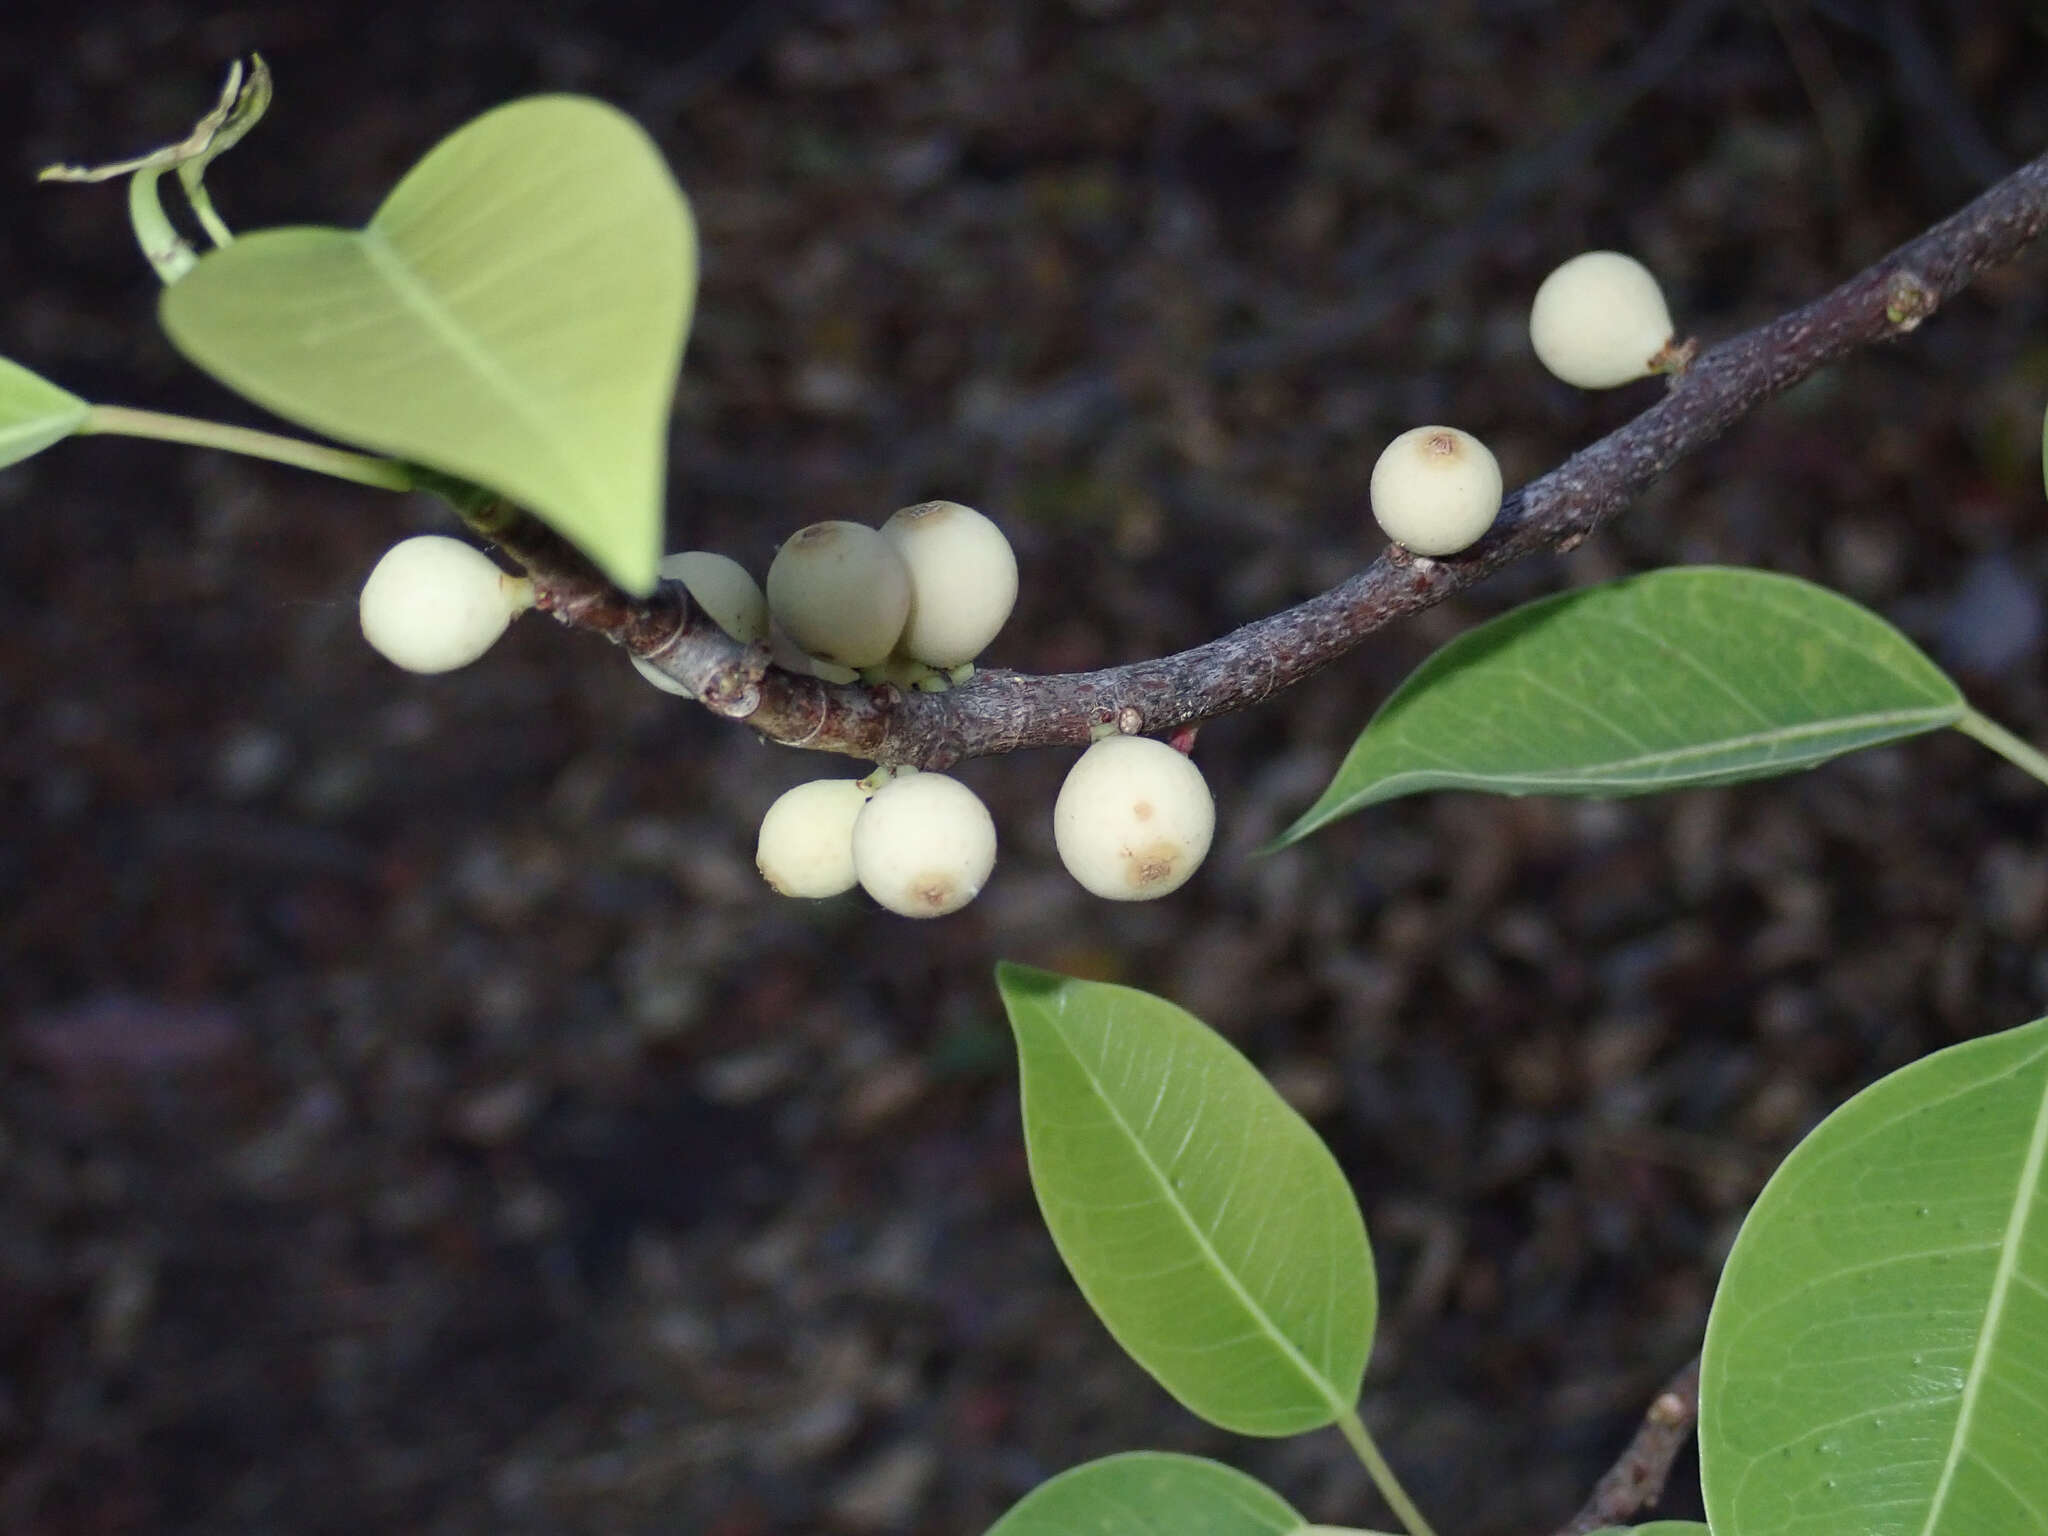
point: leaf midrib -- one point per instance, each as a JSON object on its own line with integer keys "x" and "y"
{"x": 2024, "y": 1198}
{"x": 1294, "y": 1357}
{"x": 421, "y": 299}
{"x": 1930, "y": 716}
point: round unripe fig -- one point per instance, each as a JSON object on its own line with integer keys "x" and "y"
{"x": 1599, "y": 320}
{"x": 963, "y": 580}
{"x": 806, "y": 842}
{"x": 841, "y": 591}
{"x": 791, "y": 657}
{"x": 924, "y": 845}
{"x": 1435, "y": 490}
{"x": 433, "y": 604}
{"x": 729, "y": 596}
{"x": 1134, "y": 819}
{"x": 724, "y": 589}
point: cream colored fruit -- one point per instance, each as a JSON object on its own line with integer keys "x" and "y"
{"x": 791, "y": 657}
{"x": 433, "y": 604}
{"x": 924, "y": 845}
{"x": 729, "y": 596}
{"x": 806, "y": 842}
{"x": 724, "y": 589}
{"x": 1599, "y": 320}
{"x": 1134, "y": 819}
{"x": 963, "y": 580}
{"x": 841, "y": 591}
{"x": 1435, "y": 490}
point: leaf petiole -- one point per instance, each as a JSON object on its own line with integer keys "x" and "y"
{"x": 362, "y": 468}
{"x": 1368, "y": 1452}
{"x": 2008, "y": 746}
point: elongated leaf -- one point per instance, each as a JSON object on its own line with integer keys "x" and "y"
{"x": 513, "y": 315}
{"x": 1150, "y": 1493}
{"x": 34, "y": 413}
{"x": 1698, "y": 675}
{"x": 1877, "y": 1356}
{"x": 1203, "y": 1219}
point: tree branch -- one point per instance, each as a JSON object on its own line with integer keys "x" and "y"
{"x": 1636, "y": 1481}
{"x": 1001, "y": 711}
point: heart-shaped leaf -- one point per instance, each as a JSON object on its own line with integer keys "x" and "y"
{"x": 513, "y": 315}
{"x": 1150, "y": 1493}
{"x": 34, "y": 413}
{"x": 1677, "y": 678}
{"x": 1204, "y": 1220}
{"x": 1877, "y": 1355}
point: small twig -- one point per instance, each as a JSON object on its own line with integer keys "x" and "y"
{"x": 1001, "y": 711}
{"x": 1636, "y": 1481}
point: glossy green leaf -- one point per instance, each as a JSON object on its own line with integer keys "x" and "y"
{"x": 1696, "y": 675}
{"x": 34, "y": 413}
{"x": 1655, "y": 1528}
{"x": 1877, "y": 1356}
{"x": 1150, "y": 1493}
{"x": 1203, "y": 1219}
{"x": 513, "y": 315}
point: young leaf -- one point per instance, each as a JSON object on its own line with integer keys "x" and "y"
{"x": 1698, "y": 675}
{"x": 1877, "y": 1355}
{"x": 513, "y": 315}
{"x": 1150, "y": 1493}
{"x": 34, "y": 413}
{"x": 1206, "y": 1223}
{"x": 241, "y": 105}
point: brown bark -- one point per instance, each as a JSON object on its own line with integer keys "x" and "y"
{"x": 1001, "y": 711}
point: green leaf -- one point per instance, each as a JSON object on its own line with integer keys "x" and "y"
{"x": 1698, "y": 675}
{"x": 513, "y": 315}
{"x": 34, "y": 413}
{"x": 1150, "y": 1493}
{"x": 1655, "y": 1528}
{"x": 1877, "y": 1356}
{"x": 1203, "y": 1219}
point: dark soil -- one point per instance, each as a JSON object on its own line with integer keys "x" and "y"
{"x": 416, "y": 1116}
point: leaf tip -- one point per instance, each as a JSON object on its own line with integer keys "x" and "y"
{"x": 1282, "y": 841}
{"x": 636, "y": 576}
{"x": 1014, "y": 979}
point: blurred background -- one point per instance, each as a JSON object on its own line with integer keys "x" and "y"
{"x": 414, "y": 1113}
